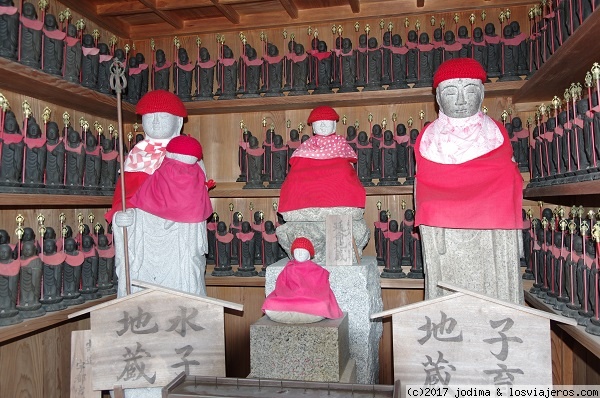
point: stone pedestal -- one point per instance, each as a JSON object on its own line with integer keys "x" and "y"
{"x": 358, "y": 292}
{"x": 308, "y": 352}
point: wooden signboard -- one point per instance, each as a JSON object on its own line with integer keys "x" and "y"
{"x": 81, "y": 365}
{"x": 146, "y": 340}
{"x": 470, "y": 339}
{"x": 338, "y": 242}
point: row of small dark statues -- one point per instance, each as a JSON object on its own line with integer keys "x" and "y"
{"x": 564, "y": 266}
{"x": 242, "y": 243}
{"x": 50, "y": 274}
{"x": 43, "y": 162}
{"x": 566, "y": 147}
{"x": 398, "y": 245}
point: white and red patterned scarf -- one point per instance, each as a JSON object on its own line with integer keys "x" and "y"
{"x": 146, "y": 156}
{"x": 325, "y": 147}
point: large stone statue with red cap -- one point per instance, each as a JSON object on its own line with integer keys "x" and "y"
{"x": 468, "y": 191}
{"x": 321, "y": 182}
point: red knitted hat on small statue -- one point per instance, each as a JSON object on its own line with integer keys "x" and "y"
{"x": 322, "y": 113}
{"x": 185, "y": 145}
{"x": 160, "y": 101}
{"x": 459, "y": 68}
{"x": 304, "y": 243}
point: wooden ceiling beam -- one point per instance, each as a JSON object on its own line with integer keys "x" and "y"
{"x": 121, "y": 8}
{"x": 88, "y": 10}
{"x": 355, "y": 6}
{"x": 166, "y": 16}
{"x": 290, "y": 7}
{"x": 166, "y": 5}
{"x": 228, "y": 12}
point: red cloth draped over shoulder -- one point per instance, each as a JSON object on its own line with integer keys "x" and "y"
{"x": 133, "y": 180}
{"x": 321, "y": 183}
{"x": 303, "y": 287}
{"x": 483, "y": 193}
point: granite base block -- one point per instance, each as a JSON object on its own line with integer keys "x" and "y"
{"x": 358, "y": 292}
{"x": 308, "y": 352}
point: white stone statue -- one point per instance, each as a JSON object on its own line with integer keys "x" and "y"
{"x": 468, "y": 192}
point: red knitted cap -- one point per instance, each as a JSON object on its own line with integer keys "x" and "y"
{"x": 185, "y": 145}
{"x": 459, "y": 68}
{"x": 322, "y": 113}
{"x": 160, "y": 101}
{"x": 303, "y": 243}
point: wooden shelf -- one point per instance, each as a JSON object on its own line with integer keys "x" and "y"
{"x": 20, "y": 200}
{"x": 235, "y": 190}
{"x": 381, "y": 97}
{"x": 575, "y": 189}
{"x": 591, "y": 342}
{"x": 49, "y": 320}
{"x": 38, "y": 84}
{"x": 567, "y": 65}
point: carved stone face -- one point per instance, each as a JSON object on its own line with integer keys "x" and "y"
{"x": 73, "y": 137}
{"x": 516, "y": 122}
{"x": 507, "y": 32}
{"x": 346, "y": 44}
{"x": 245, "y": 227}
{"x": 103, "y": 47}
{"x": 490, "y": 29}
{"x": 50, "y": 22}
{"x": 227, "y": 53}
{"x": 401, "y": 129}
{"x": 133, "y": 63}
{"x": 324, "y": 127}
{"x": 362, "y": 40}
{"x": 294, "y": 135}
{"x": 372, "y": 42}
{"x": 251, "y": 53}
{"x": 5, "y": 253}
{"x": 71, "y": 30}
{"x": 449, "y": 36}
{"x": 362, "y": 137}
{"x": 437, "y": 34}
{"x": 33, "y": 130}
{"x": 388, "y": 136}
{"x": 477, "y": 34}
{"x": 87, "y": 242}
{"x": 102, "y": 240}
{"x": 204, "y": 55}
{"x": 49, "y": 247}
{"x": 140, "y": 58}
{"x": 462, "y": 32}
{"x": 516, "y": 28}
{"x": 28, "y": 249}
{"x": 299, "y": 49}
{"x": 412, "y": 36}
{"x": 4, "y": 236}
{"x": 49, "y": 233}
{"x": 221, "y": 228}
{"x": 70, "y": 245}
{"x": 394, "y": 226}
{"x": 376, "y": 130}
{"x": 396, "y": 40}
{"x": 409, "y": 215}
{"x": 278, "y": 141}
{"x": 322, "y": 46}
{"x": 10, "y": 122}
{"x": 160, "y": 57}
{"x": 351, "y": 132}
{"x": 424, "y": 38}
{"x": 253, "y": 142}
{"x": 301, "y": 255}
{"x": 52, "y": 131}
{"x": 273, "y": 51}
{"x": 28, "y": 234}
{"x": 387, "y": 38}
{"x": 269, "y": 227}
{"x": 460, "y": 98}
{"x": 161, "y": 125}
{"x": 106, "y": 145}
{"x": 383, "y": 217}
{"x": 120, "y": 54}
{"x": 29, "y": 11}
{"x": 88, "y": 40}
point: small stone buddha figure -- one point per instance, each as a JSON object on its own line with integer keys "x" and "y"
{"x": 479, "y": 49}
{"x": 104, "y": 63}
{"x": 31, "y": 37}
{"x": 72, "y": 70}
{"x": 574, "y": 262}
{"x": 522, "y": 137}
{"x": 211, "y": 239}
{"x": 9, "y": 30}
{"x": 246, "y": 251}
{"x": 141, "y": 61}
{"x": 302, "y": 291}
{"x": 9, "y": 280}
{"x": 425, "y": 65}
{"x": 407, "y": 228}
{"x": 89, "y": 269}
{"x": 74, "y": 259}
{"x": 376, "y": 139}
{"x": 52, "y": 275}
{"x": 270, "y": 247}
{"x": 29, "y": 236}
{"x": 398, "y": 67}
{"x": 494, "y": 51}
{"x": 410, "y": 157}
{"x": 53, "y": 42}
{"x": 205, "y": 76}
{"x": 250, "y": 73}
{"x": 585, "y": 272}
{"x": 224, "y": 240}
{"x": 258, "y": 227}
{"x": 255, "y": 158}
{"x": 402, "y": 140}
{"x": 438, "y": 52}
{"x": 227, "y": 68}
{"x": 242, "y": 147}
{"x": 465, "y": 42}
{"x": 234, "y": 228}
{"x": 30, "y": 283}
{"x": 351, "y": 137}
{"x": 75, "y": 160}
{"x": 93, "y": 161}
{"x": 106, "y": 266}
{"x": 361, "y": 60}
{"x": 183, "y": 71}
{"x": 134, "y": 81}
{"x": 312, "y": 63}
{"x": 55, "y": 157}
{"x": 279, "y": 162}
{"x": 364, "y": 163}
{"x": 416, "y": 269}
{"x": 273, "y": 75}
{"x": 389, "y": 160}
{"x": 161, "y": 72}
{"x": 35, "y": 155}
{"x": 386, "y": 58}
{"x": 335, "y": 62}
{"x": 452, "y": 48}
{"x": 522, "y": 48}
{"x": 293, "y": 143}
{"x": 510, "y": 55}
{"x": 90, "y": 62}
{"x": 381, "y": 227}
{"x": 108, "y": 165}
{"x": 299, "y": 71}
{"x": 374, "y": 66}
{"x": 453, "y": 244}
{"x": 347, "y": 66}
{"x": 412, "y": 57}
{"x": 323, "y": 68}
{"x": 393, "y": 255}
{"x": 11, "y": 163}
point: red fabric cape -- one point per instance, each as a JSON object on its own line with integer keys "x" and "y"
{"x": 303, "y": 287}
{"x": 10, "y": 269}
{"x": 74, "y": 260}
{"x": 175, "y": 192}
{"x": 106, "y": 253}
{"x": 483, "y": 193}
{"x": 133, "y": 180}
{"x": 321, "y": 183}
{"x": 53, "y": 259}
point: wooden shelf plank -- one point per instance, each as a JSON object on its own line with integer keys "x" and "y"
{"x": 51, "y": 319}
{"x": 591, "y": 342}
{"x": 567, "y": 65}
{"x": 45, "y": 201}
{"x": 235, "y": 190}
{"x": 576, "y": 188}
{"x": 381, "y": 97}
{"x": 35, "y": 83}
